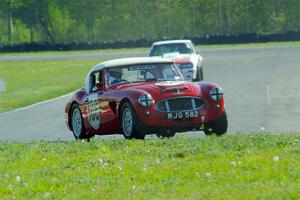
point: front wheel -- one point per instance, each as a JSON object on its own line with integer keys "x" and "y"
{"x": 219, "y": 126}
{"x": 77, "y": 125}
{"x": 130, "y": 123}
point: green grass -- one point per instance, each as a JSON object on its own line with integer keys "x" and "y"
{"x": 249, "y": 45}
{"x": 96, "y": 51}
{"x": 201, "y": 47}
{"x": 31, "y": 82}
{"x": 229, "y": 167}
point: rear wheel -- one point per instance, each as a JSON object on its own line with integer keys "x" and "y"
{"x": 77, "y": 125}
{"x": 218, "y": 127}
{"x": 130, "y": 123}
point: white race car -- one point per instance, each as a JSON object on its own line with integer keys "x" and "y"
{"x": 184, "y": 54}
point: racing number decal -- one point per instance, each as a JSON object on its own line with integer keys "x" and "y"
{"x": 94, "y": 113}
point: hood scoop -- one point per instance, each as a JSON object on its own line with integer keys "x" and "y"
{"x": 176, "y": 88}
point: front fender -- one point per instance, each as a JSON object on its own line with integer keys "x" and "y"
{"x": 131, "y": 95}
{"x": 77, "y": 97}
{"x": 214, "y": 109}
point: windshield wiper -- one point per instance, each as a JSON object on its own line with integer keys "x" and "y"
{"x": 168, "y": 80}
{"x": 151, "y": 79}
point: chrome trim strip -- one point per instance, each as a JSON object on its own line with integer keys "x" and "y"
{"x": 167, "y": 106}
{"x": 193, "y": 103}
{"x": 175, "y": 88}
{"x": 178, "y": 97}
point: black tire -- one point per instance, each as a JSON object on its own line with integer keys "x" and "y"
{"x": 199, "y": 74}
{"x": 78, "y": 133}
{"x": 137, "y": 129}
{"x": 218, "y": 127}
{"x": 166, "y": 134}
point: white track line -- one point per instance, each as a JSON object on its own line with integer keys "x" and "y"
{"x": 36, "y": 104}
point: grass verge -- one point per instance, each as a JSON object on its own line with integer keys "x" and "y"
{"x": 229, "y": 167}
{"x": 201, "y": 47}
{"x": 31, "y": 82}
{"x": 249, "y": 45}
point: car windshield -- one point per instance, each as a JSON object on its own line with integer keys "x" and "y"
{"x": 142, "y": 73}
{"x": 181, "y": 48}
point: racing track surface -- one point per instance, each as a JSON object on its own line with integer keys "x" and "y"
{"x": 261, "y": 86}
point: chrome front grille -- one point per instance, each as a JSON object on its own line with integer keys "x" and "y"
{"x": 179, "y": 104}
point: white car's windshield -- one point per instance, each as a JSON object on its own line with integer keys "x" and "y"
{"x": 181, "y": 48}
{"x": 142, "y": 73}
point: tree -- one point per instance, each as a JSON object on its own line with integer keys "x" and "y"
{"x": 90, "y": 21}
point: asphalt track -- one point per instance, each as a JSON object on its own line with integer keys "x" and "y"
{"x": 261, "y": 87}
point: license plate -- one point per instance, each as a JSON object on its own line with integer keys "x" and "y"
{"x": 183, "y": 115}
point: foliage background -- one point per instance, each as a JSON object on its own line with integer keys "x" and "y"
{"x": 94, "y": 21}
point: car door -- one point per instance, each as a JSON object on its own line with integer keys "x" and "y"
{"x": 100, "y": 116}
{"x": 108, "y": 106}
{"x": 93, "y": 109}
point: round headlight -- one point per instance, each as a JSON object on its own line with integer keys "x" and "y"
{"x": 145, "y": 100}
{"x": 216, "y": 94}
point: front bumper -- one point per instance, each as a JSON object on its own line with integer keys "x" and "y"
{"x": 156, "y": 118}
{"x": 153, "y": 118}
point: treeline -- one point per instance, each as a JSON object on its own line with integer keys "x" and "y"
{"x": 107, "y": 21}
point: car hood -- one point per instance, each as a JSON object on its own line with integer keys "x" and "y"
{"x": 184, "y": 58}
{"x": 164, "y": 89}
{"x": 176, "y": 55}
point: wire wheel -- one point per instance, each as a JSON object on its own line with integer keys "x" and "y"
{"x": 127, "y": 123}
{"x": 76, "y": 123}
{"x": 132, "y": 127}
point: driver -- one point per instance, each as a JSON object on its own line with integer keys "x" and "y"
{"x": 115, "y": 75}
{"x": 184, "y": 49}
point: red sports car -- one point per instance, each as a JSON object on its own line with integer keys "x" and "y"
{"x": 139, "y": 96}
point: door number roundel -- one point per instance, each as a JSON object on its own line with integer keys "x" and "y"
{"x": 94, "y": 113}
